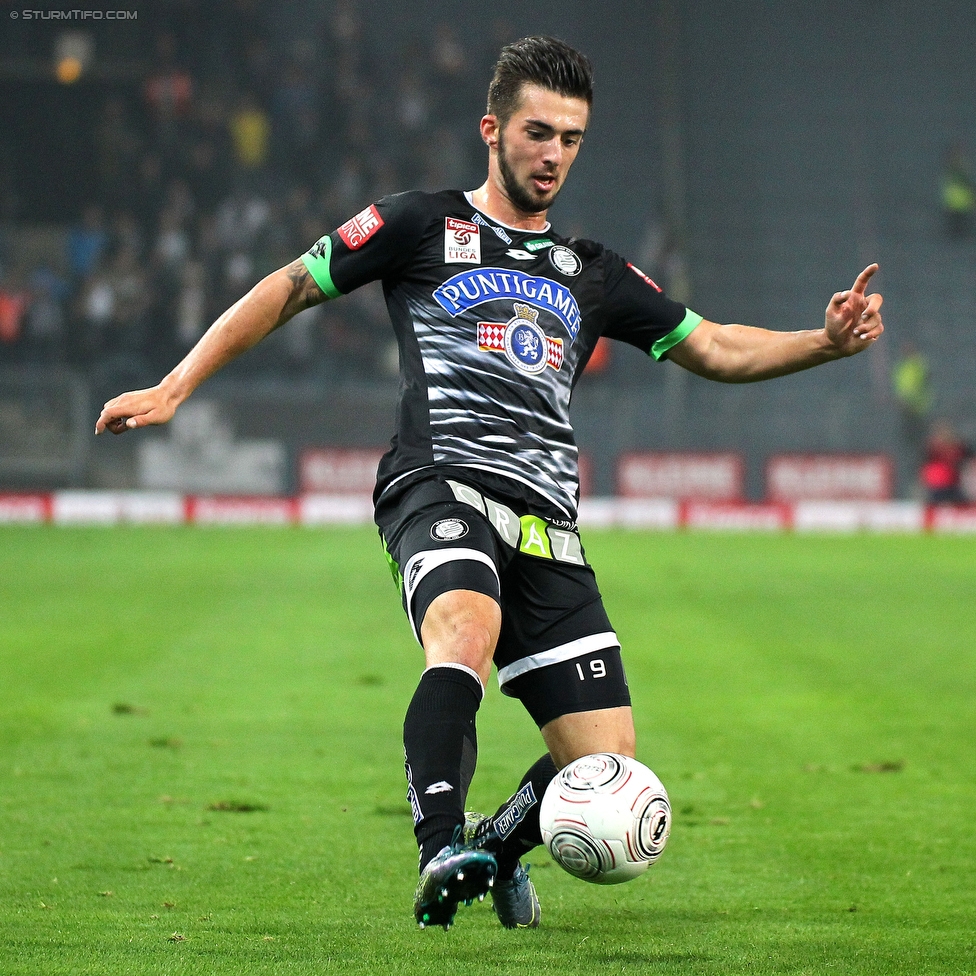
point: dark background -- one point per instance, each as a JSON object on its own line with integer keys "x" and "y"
{"x": 752, "y": 156}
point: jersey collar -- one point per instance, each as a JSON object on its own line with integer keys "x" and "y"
{"x": 469, "y": 196}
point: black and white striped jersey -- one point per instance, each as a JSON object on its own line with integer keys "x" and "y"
{"x": 494, "y": 326}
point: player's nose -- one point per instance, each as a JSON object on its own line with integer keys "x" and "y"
{"x": 553, "y": 152}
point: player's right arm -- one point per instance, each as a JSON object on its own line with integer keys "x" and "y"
{"x": 268, "y": 305}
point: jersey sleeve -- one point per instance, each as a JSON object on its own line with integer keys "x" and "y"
{"x": 377, "y": 243}
{"x": 638, "y": 312}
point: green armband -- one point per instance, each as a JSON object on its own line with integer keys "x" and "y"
{"x": 318, "y": 260}
{"x": 689, "y": 323}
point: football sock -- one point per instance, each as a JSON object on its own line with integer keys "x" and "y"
{"x": 441, "y": 749}
{"x": 517, "y": 819}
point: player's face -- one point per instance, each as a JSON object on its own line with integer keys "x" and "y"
{"x": 537, "y": 147}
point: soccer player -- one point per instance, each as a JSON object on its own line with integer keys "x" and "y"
{"x": 496, "y": 315}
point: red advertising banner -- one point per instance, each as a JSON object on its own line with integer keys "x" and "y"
{"x": 352, "y": 471}
{"x": 716, "y": 477}
{"x": 338, "y": 470}
{"x": 24, "y": 508}
{"x": 829, "y": 477}
{"x": 108, "y": 508}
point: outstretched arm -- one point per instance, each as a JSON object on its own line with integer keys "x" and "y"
{"x": 743, "y": 354}
{"x": 269, "y": 304}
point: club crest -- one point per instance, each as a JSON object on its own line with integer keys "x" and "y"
{"x": 524, "y": 341}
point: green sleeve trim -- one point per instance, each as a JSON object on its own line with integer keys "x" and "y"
{"x": 689, "y": 323}
{"x": 318, "y": 261}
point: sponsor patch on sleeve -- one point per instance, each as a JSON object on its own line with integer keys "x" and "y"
{"x": 359, "y": 229}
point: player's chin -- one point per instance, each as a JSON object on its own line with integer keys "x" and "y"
{"x": 545, "y": 198}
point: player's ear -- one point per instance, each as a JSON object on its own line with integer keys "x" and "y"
{"x": 489, "y": 131}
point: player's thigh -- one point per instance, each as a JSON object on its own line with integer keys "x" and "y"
{"x": 558, "y": 653}
{"x": 442, "y": 548}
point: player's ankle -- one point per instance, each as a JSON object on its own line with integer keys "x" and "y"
{"x": 507, "y": 866}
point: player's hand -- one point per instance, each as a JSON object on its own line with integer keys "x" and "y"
{"x": 853, "y": 319}
{"x": 140, "y": 408}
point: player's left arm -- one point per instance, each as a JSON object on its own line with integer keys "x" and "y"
{"x": 743, "y": 354}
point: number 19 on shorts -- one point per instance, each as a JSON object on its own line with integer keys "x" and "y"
{"x": 596, "y": 668}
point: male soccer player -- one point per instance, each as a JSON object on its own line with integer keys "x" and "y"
{"x": 496, "y": 315}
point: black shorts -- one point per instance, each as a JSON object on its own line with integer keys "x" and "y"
{"x": 557, "y": 651}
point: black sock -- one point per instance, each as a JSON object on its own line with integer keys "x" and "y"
{"x": 517, "y": 819}
{"x": 441, "y": 749}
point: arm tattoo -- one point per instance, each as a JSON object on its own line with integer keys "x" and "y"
{"x": 306, "y": 292}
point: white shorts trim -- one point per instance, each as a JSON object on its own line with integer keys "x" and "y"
{"x": 421, "y": 563}
{"x": 565, "y": 652}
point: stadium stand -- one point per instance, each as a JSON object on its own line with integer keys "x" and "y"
{"x": 206, "y": 144}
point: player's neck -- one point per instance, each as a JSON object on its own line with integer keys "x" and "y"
{"x": 492, "y": 202}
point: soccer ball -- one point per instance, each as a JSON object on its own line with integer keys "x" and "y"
{"x": 605, "y": 818}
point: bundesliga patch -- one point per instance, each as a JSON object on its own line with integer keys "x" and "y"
{"x": 357, "y": 231}
{"x": 522, "y": 340}
{"x": 462, "y": 241}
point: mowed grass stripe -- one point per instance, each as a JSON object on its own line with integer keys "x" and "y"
{"x": 201, "y": 769}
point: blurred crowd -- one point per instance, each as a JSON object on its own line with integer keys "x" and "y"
{"x": 235, "y": 149}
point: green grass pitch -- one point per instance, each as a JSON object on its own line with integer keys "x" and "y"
{"x": 201, "y": 766}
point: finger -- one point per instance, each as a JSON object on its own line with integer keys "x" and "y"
{"x": 116, "y": 418}
{"x": 120, "y": 413}
{"x": 108, "y": 419}
{"x": 870, "y": 329}
{"x": 871, "y": 334}
{"x": 873, "y": 306}
{"x": 125, "y": 423}
{"x": 114, "y": 425}
{"x": 109, "y": 415}
{"x": 863, "y": 278}
{"x": 871, "y": 310}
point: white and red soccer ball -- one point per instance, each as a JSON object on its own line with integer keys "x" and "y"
{"x": 605, "y": 818}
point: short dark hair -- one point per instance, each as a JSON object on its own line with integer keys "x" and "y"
{"x": 543, "y": 61}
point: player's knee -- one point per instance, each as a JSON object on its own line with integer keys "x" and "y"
{"x": 461, "y": 627}
{"x": 627, "y": 743}
{"x": 578, "y": 734}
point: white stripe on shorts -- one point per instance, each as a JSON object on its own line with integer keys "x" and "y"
{"x": 565, "y": 652}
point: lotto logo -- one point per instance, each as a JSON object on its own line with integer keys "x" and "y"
{"x": 357, "y": 231}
